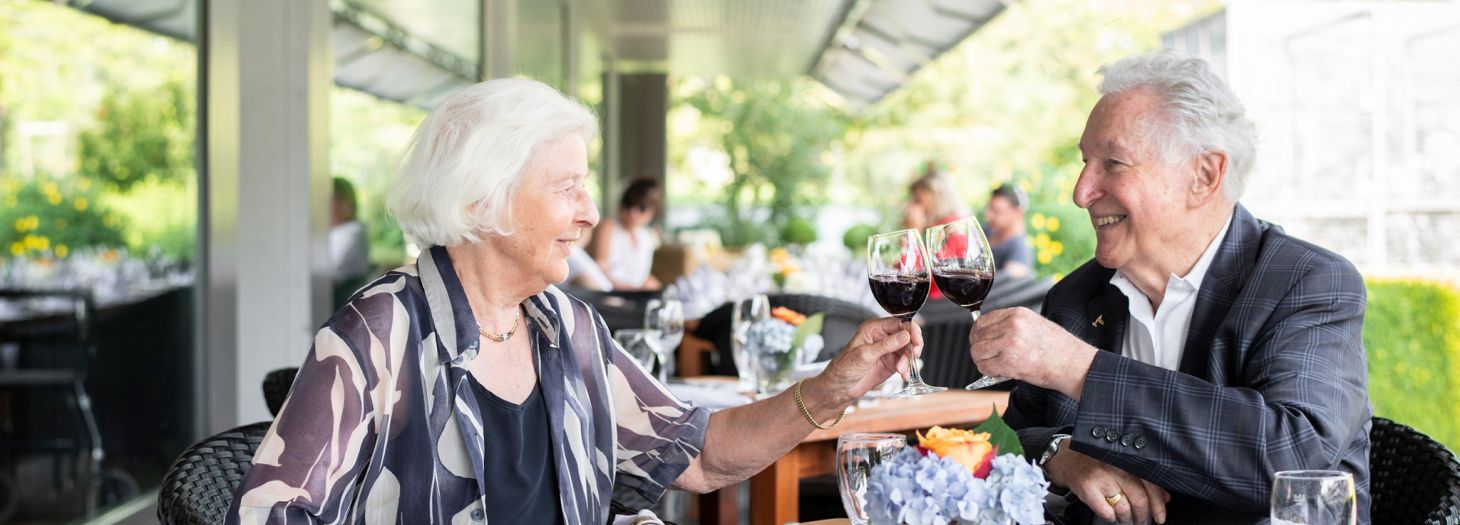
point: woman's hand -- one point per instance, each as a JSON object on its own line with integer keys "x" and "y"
{"x": 871, "y": 356}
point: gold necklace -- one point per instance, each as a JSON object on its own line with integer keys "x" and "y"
{"x": 504, "y": 336}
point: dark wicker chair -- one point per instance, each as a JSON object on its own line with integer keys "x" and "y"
{"x": 1412, "y": 478}
{"x": 276, "y": 388}
{"x": 199, "y": 486}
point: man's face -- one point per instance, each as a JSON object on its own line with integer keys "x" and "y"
{"x": 1137, "y": 202}
{"x": 1002, "y": 215}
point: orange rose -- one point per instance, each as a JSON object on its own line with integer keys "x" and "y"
{"x": 788, "y": 315}
{"x": 968, "y": 448}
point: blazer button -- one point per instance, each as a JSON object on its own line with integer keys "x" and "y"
{"x": 1111, "y": 436}
{"x": 1126, "y": 440}
{"x": 1140, "y": 443}
{"x": 478, "y": 515}
{"x": 1098, "y": 432}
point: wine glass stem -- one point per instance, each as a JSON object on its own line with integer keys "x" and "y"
{"x": 914, "y": 367}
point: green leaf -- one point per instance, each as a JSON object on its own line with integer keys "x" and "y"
{"x": 1001, "y": 436}
{"x": 811, "y": 326}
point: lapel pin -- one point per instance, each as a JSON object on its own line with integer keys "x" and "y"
{"x": 1099, "y": 321}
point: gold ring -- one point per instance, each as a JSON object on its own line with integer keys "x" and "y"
{"x": 1115, "y": 498}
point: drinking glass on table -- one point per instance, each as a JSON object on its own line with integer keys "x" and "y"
{"x": 897, "y": 270}
{"x": 856, "y": 454}
{"x": 664, "y": 318}
{"x": 639, "y": 344}
{"x": 963, "y": 268}
{"x": 1314, "y": 497}
{"x": 745, "y": 313}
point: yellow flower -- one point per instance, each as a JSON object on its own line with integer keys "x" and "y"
{"x": 53, "y": 198}
{"x": 80, "y": 203}
{"x": 62, "y": 251}
{"x": 1041, "y": 241}
{"x": 1037, "y": 221}
{"x": 1057, "y": 248}
{"x": 20, "y": 224}
{"x": 50, "y": 187}
{"x": 1057, "y": 276}
{"x": 16, "y": 248}
{"x": 37, "y": 243}
{"x": 1053, "y": 224}
{"x": 1045, "y": 257}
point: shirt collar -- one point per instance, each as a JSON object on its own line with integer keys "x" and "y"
{"x": 1198, "y": 272}
{"x": 451, "y": 314}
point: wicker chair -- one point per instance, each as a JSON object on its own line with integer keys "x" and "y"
{"x": 199, "y": 487}
{"x": 1412, "y": 478}
{"x": 276, "y": 388}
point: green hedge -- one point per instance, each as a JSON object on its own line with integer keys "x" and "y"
{"x": 1412, "y": 335}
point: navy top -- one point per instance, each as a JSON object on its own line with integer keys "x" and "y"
{"x": 522, "y": 485}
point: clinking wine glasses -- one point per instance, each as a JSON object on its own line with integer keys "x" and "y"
{"x": 897, "y": 271}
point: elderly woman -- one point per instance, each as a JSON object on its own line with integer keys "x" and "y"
{"x": 467, "y": 388}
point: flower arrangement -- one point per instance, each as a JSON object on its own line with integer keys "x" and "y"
{"x": 778, "y": 343}
{"x": 959, "y": 476}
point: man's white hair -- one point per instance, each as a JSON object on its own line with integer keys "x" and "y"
{"x": 469, "y": 157}
{"x": 1202, "y": 114}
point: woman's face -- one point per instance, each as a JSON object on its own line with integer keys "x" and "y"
{"x": 635, "y": 216}
{"x": 550, "y": 211}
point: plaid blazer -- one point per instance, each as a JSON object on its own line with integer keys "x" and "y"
{"x": 1272, "y": 378}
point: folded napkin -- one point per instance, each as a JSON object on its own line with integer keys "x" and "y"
{"x": 644, "y": 517}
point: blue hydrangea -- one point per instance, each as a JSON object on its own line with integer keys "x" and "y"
{"x": 770, "y": 336}
{"x": 915, "y": 489}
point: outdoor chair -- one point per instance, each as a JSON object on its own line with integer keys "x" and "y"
{"x": 198, "y": 488}
{"x": 1413, "y": 479}
{"x": 276, "y": 388}
{"x": 56, "y": 351}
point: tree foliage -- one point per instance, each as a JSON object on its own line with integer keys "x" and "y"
{"x": 140, "y": 135}
{"x": 777, "y": 137}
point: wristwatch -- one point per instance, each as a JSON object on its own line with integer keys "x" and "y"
{"x": 1054, "y": 446}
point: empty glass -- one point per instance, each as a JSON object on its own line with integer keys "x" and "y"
{"x": 664, "y": 318}
{"x": 745, "y": 313}
{"x": 1314, "y": 497}
{"x": 639, "y": 344}
{"x": 856, "y": 454}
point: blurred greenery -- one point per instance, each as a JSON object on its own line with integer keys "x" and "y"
{"x": 1412, "y": 336}
{"x": 45, "y": 217}
{"x": 97, "y": 138}
{"x": 776, "y": 138}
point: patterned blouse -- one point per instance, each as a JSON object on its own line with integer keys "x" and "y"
{"x": 382, "y": 426}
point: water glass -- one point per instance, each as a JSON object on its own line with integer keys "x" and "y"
{"x": 1314, "y": 497}
{"x": 745, "y": 313}
{"x": 856, "y": 454}
{"x": 639, "y": 344}
{"x": 665, "y": 319}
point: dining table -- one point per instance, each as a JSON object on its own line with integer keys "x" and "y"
{"x": 775, "y": 492}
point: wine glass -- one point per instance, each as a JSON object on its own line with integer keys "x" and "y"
{"x": 898, "y": 273}
{"x": 745, "y": 313}
{"x": 963, "y": 268}
{"x": 1314, "y": 497}
{"x": 664, "y": 318}
{"x": 856, "y": 454}
{"x": 637, "y": 343}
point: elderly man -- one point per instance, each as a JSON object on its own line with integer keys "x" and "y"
{"x": 1203, "y": 349}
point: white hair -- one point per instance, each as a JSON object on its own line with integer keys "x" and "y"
{"x": 468, "y": 159}
{"x": 1202, "y": 114}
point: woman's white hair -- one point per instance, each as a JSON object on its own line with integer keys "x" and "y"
{"x": 1202, "y": 113}
{"x": 468, "y": 159}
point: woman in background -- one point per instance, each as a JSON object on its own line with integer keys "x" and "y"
{"x": 624, "y": 247}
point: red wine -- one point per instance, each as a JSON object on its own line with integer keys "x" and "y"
{"x": 900, "y": 295}
{"x": 966, "y": 288}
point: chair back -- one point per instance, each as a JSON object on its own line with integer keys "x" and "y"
{"x": 1412, "y": 478}
{"x": 60, "y": 334}
{"x": 276, "y": 388}
{"x": 198, "y": 488}
{"x": 946, "y": 361}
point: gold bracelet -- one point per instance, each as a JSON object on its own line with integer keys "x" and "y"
{"x": 807, "y": 413}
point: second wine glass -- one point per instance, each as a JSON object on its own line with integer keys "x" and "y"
{"x": 963, "y": 267}
{"x": 897, "y": 270}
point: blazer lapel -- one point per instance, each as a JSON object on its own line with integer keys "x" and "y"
{"x": 1219, "y": 289}
{"x": 1107, "y": 314}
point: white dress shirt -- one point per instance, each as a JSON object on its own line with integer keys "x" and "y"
{"x": 1159, "y": 337}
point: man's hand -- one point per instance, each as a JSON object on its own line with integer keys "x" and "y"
{"x": 1018, "y": 343}
{"x": 1097, "y": 484}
